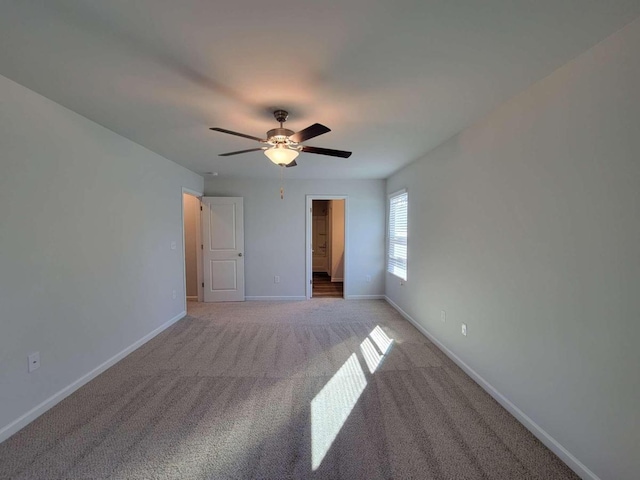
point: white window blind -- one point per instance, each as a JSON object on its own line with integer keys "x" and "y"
{"x": 397, "y": 248}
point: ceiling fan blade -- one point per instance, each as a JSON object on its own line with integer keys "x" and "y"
{"x": 309, "y": 132}
{"x": 241, "y": 151}
{"x": 292, "y": 164}
{"x": 326, "y": 151}
{"x": 230, "y": 132}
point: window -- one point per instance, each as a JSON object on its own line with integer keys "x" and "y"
{"x": 397, "y": 248}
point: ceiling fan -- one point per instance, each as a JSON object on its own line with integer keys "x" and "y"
{"x": 282, "y": 145}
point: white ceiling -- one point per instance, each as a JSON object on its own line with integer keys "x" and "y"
{"x": 391, "y": 79}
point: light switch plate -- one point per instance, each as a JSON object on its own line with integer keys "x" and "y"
{"x": 464, "y": 329}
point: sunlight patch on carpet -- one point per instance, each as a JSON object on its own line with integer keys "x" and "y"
{"x": 332, "y": 405}
{"x": 370, "y": 354}
{"x": 381, "y": 339}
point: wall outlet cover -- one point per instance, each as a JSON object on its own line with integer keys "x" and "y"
{"x": 34, "y": 361}
{"x": 464, "y": 329}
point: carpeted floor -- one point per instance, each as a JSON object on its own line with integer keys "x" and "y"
{"x": 277, "y": 390}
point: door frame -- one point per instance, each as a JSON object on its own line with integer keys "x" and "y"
{"x": 199, "y": 271}
{"x": 309, "y": 236}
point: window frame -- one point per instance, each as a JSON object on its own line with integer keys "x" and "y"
{"x": 394, "y": 263}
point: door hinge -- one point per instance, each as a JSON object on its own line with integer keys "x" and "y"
{"x": 310, "y": 282}
{"x": 201, "y": 247}
{"x": 202, "y": 284}
{"x": 200, "y": 207}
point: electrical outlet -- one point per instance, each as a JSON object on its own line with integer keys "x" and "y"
{"x": 34, "y": 361}
{"x": 368, "y": 278}
{"x": 174, "y": 294}
{"x": 443, "y": 316}
{"x": 276, "y": 279}
{"x": 464, "y": 329}
{"x": 173, "y": 245}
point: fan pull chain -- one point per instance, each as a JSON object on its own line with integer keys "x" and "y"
{"x": 281, "y": 182}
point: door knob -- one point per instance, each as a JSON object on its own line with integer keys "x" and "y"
{"x": 240, "y": 254}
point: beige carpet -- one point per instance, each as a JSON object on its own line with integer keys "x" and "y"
{"x": 281, "y": 390}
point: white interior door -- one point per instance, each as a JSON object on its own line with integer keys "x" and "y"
{"x": 223, "y": 249}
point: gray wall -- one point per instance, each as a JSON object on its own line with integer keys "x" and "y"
{"x": 275, "y": 232}
{"x": 87, "y": 219}
{"x": 527, "y": 227}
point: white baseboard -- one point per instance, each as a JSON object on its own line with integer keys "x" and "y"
{"x": 365, "y": 297}
{"x": 293, "y": 298}
{"x": 551, "y": 443}
{"x": 31, "y": 415}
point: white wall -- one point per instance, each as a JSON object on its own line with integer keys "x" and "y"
{"x": 86, "y": 222}
{"x": 275, "y": 232}
{"x": 527, "y": 227}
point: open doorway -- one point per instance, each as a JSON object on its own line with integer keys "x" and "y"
{"x": 192, "y": 247}
{"x": 326, "y": 246}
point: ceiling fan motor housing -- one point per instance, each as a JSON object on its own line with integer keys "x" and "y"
{"x": 279, "y": 135}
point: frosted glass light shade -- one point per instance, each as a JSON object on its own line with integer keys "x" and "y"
{"x": 281, "y": 155}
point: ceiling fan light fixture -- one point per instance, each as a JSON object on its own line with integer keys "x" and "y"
{"x": 281, "y": 154}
